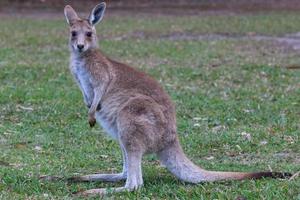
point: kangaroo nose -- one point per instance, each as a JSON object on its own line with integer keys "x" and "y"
{"x": 80, "y": 46}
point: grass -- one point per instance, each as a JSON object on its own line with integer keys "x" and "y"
{"x": 222, "y": 90}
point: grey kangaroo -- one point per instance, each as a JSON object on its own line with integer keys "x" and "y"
{"x": 133, "y": 109}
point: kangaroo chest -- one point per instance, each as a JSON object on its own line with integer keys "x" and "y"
{"x": 105, "y": 117}
{"x": 83, "y": 79}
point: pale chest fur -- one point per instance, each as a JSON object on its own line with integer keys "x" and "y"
{"x": 85, "y": 82}
{"x": 83, "y": 78}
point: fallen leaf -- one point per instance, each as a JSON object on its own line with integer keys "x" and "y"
{"x": 197, "y": 118}
{"x": 248, "y": 110}
{"x": 25, "y": 108}
{"x": 38, "y": 148}
{"x": 17, "y": 165}
{"x": 45, "y": 195}
{"x": 231, "y": 154}
{"x": 239, "y": 147}
{"x": 218, "y": 128}
{"x": 20, "y": 146}
{"x": 209, "y": 158}
{"x": 264, "y": 142}
{"x": 104, "y": 156}
{"x": 246, "y": 136}
{"x": 196, "y": 125}
{"x": 289, "y": 139}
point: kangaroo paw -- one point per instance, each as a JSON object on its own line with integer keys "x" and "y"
{"x": 92, "y": 121}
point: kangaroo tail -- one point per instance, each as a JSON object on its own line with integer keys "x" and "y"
{"x": 178, "y": 164}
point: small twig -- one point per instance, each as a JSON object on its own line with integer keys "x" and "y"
{"x": 25, "y": 108}
{"x": 293, "y": 67}
{"x": 295, "y": 176}
{"x": 270, "y": 169}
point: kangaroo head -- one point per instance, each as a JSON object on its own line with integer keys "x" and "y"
{"x": 82, "y": 31}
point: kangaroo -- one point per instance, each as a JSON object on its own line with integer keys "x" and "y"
{"x": 133, "y": 109}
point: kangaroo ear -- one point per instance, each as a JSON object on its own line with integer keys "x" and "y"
{"x": 97, "y": 13}
{"x": 70, "y": 14}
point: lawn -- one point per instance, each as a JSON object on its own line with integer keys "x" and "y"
{"x": 237, "y": 101}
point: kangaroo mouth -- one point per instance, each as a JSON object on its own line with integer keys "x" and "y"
{"x": 77, "y": 50}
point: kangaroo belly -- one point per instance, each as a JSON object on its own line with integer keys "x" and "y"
{"x": 108, "y": 124}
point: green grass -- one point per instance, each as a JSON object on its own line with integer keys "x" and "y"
{"x": 221, "y": 89}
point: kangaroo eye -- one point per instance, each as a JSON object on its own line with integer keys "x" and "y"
{"x": 74, "y": 33}
{"x": 89, "y": 34}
